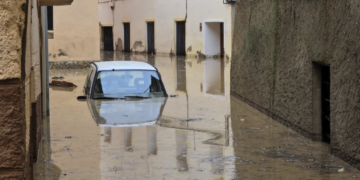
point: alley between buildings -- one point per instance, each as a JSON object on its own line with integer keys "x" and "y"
{"x": 202, "y": 133}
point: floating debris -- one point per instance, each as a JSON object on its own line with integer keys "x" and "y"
{"x": 129, "y": 147}
{"x": 218, "y": 159}
{"x": 58, "y": 77}
{"x": 68, "y": 137}
{"x": 341, "y": 170}
{"x": 262, "y": 169}
{"x": 62, "y": 84}
{"x": 174, "y": 95}
{"x": 193, "y": 119}
{"x": 114, "y": 169}
{"x": 130, "y": 163}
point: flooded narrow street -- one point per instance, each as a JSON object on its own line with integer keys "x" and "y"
{"x": 200, "y": 133}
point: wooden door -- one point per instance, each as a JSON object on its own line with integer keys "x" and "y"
{"x": 151, "y": 37}
{"x": 108, "y": 39}
{"x": 127, "y": 37}
{"x": 180, "y": 38}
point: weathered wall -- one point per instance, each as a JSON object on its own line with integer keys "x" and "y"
{"x": 76, "y": 32}
{"x": 275, "y": 46}
{"x": 36, "y": 82}
{"x": 12, "y": 117}
{"x": 12, "y": 22}
{"x": 165, "y": 13}
{"x": 12, "y": 132}
{"x": 20, "y": 87}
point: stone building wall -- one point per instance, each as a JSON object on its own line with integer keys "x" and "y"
{"x": 276, "y": 46}
{"x": 165, "y": 14}
{"x": 12, "y": 90}
{"x": 20, "y": 87}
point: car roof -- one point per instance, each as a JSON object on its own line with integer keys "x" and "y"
{"x": 123, "y": 65}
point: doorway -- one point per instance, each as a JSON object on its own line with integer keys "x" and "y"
{"x": 325, "y": 103}
{"x": 108, "y": 39}
{"x": 127, "y": 37}
{"x": 214, "y": 38}
{"x": 151, "y": 37}
{"x": 222, "y": 40}
{"x": 180, "y": 38}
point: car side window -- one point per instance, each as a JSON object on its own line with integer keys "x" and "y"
{"x": 88, "y": 81}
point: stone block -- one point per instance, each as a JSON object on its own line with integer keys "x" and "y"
{"x": 12, "y": 20}
{"x": 11, "y": 175}
{"x": 12, "y": 130}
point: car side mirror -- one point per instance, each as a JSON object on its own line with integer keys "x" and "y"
{"x": 81, "y": 98}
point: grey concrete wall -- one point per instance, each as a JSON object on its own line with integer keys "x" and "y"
{"x": 275, "y": 46}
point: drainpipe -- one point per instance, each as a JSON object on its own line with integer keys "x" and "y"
{"x": 186, "y": 10}
{"x": 45, "y": 62}
{"x": 232, "y": 27}
{"x": 45, "y": 92}
{"x": 112, "y": 10}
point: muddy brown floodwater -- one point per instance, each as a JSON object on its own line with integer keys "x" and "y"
{"x": 202, "y": 133}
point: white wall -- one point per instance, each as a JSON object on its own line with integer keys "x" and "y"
{"x": 165, "y": 13}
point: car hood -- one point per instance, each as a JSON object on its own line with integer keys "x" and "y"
{"x": 122, "y": 113}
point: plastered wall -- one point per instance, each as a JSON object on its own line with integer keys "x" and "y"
{"x": 165, "y": 13}
{"x": 276, "y": 44}
{"x": 76, "y": 32}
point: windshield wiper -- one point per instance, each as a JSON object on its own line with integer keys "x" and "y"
{"x": 143, "y": 97}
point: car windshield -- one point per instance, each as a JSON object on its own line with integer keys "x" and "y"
{"x": 127, "y": 84}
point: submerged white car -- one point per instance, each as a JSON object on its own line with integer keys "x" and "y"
{"x": 124, "y": 93}
{"x": 122, "y": 80}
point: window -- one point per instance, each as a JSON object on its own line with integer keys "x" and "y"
{"x": 50, "y": 17}
{"x": 119, "y": 84}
